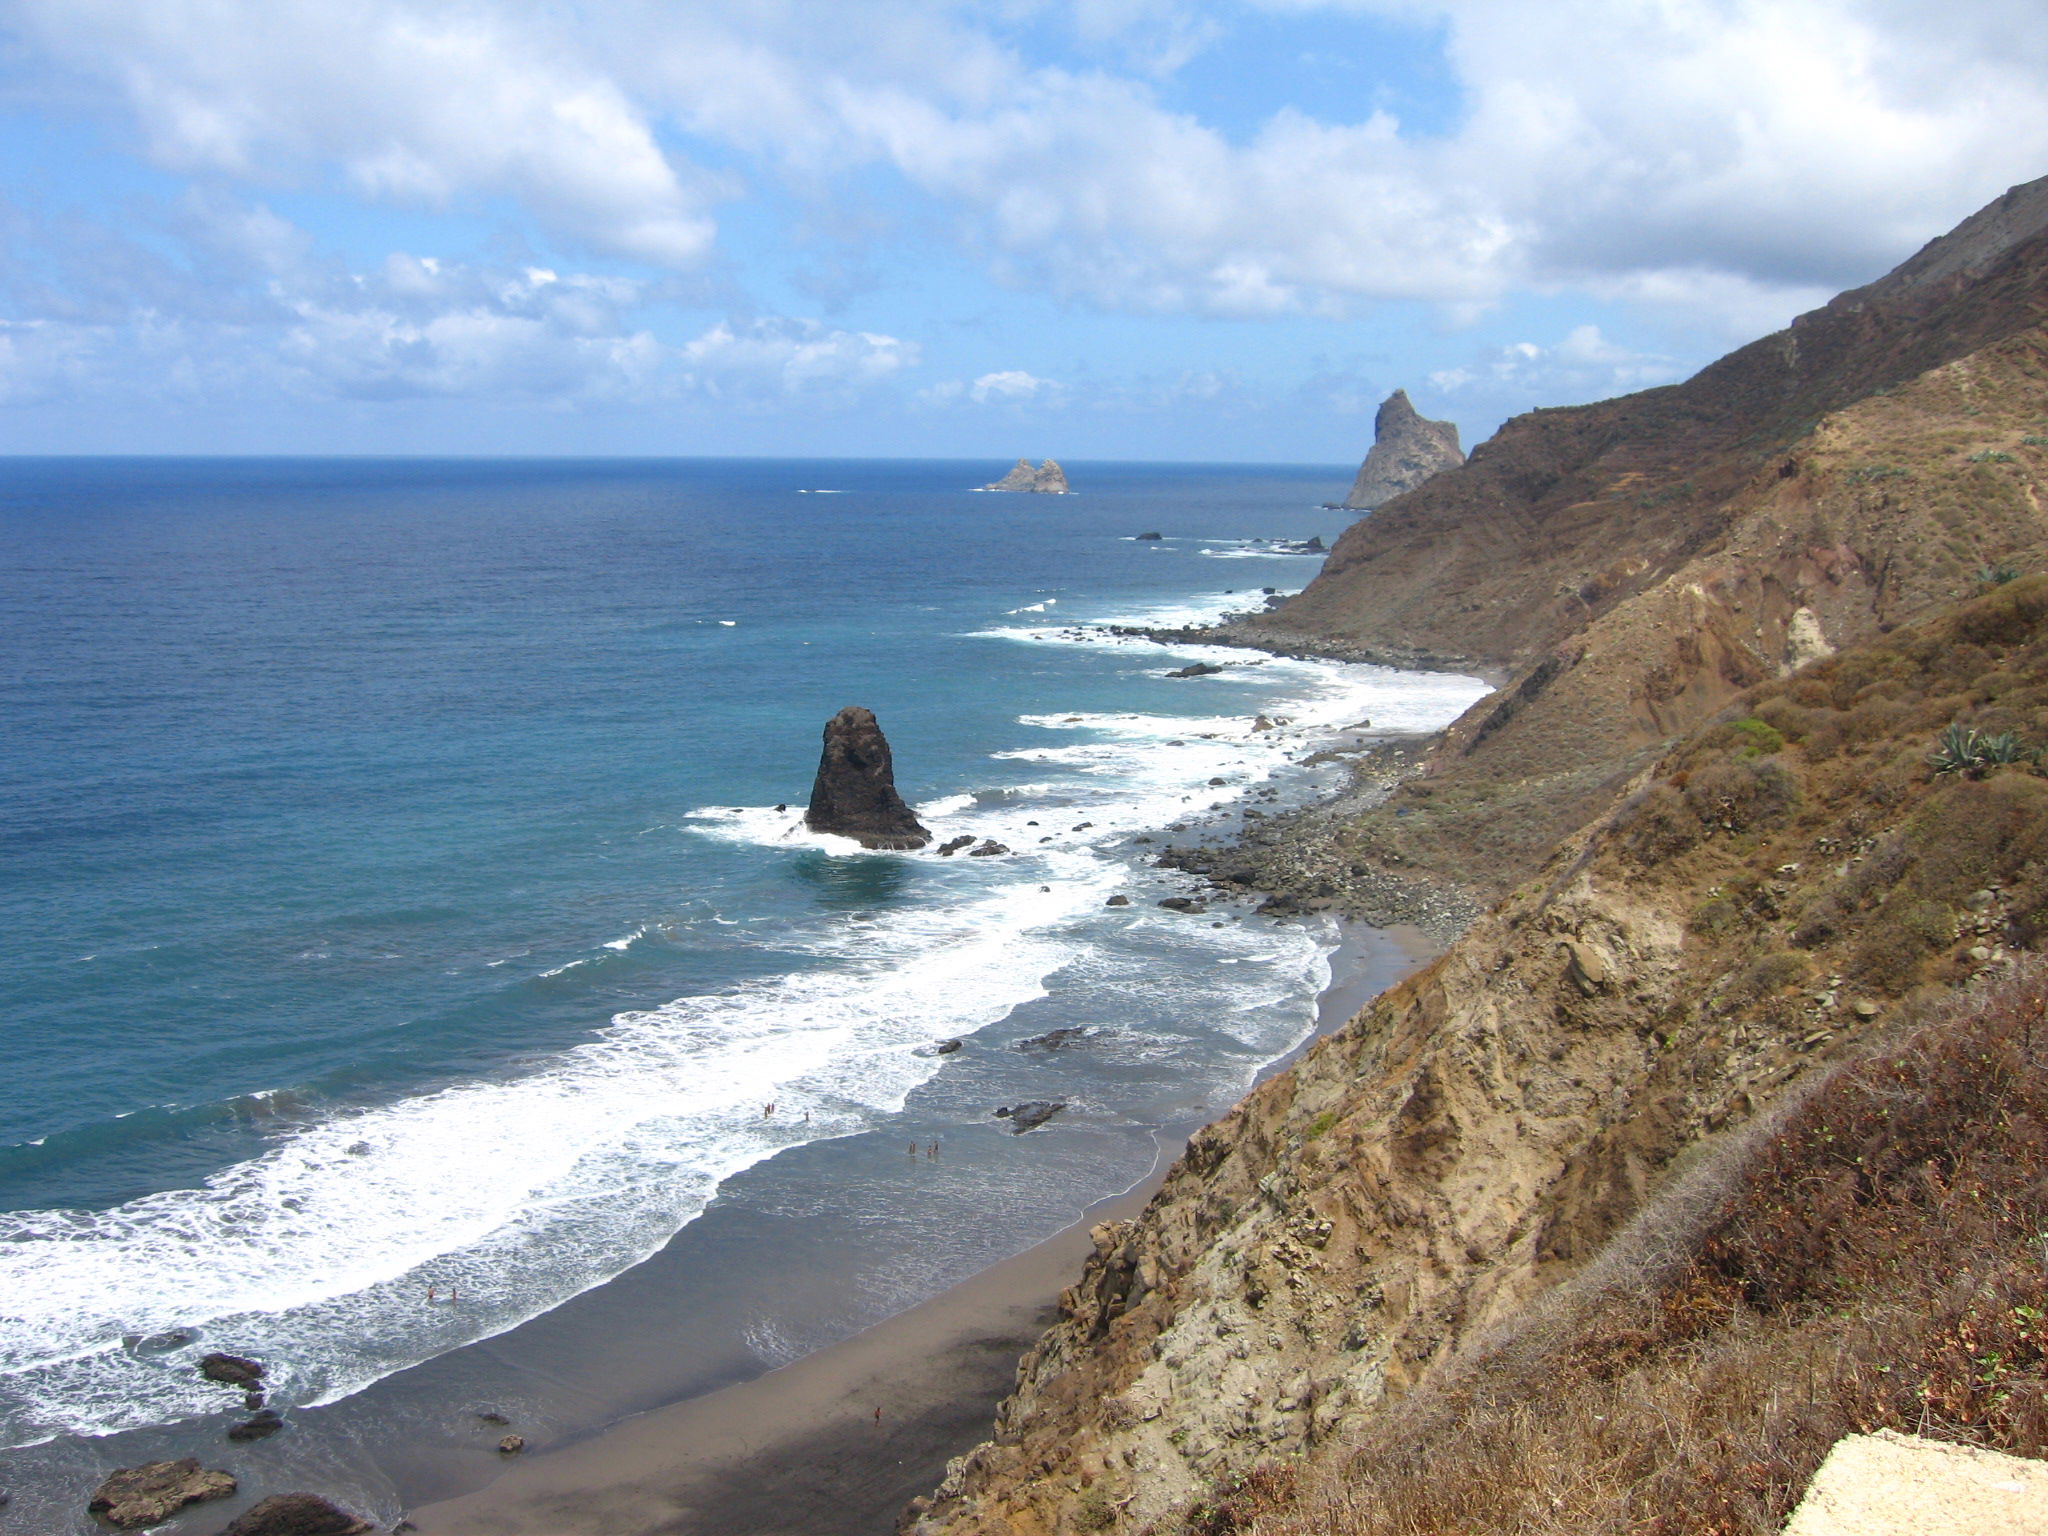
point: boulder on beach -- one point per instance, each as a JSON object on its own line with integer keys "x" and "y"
{"x": 953, "y": 845}
{"x": 1196, "y": 669}
{"x": 989, "y": 848}
{"x": 1118, "y": 901}
{"x": 261, "y": 1427}
{"x": 512, "y": 1445}
{"x": 1146, "y": 538}
{"x": 232, "y": 1370}
{"x": 854, "y": 794}
{"x": 150, "y": 1494}
{"x": 937, "y": 1048}
{"x": 297, "y": 1514}
{"x": 1048, "y": 477}
{"x": 1029, "y": 1115}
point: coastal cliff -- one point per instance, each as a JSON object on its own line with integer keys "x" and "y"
{"x": 1760, "y": 793}
{"x": 1407, "y": 448}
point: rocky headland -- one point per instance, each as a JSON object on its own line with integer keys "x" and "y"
{"x": 854, "y": 794}
{"x": 1047, "y": 477}
{"x": 1718, "y": 1134}
{"x": 1407, "y": 448}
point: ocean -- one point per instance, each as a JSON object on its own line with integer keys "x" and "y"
{"x": 405, "y": 888}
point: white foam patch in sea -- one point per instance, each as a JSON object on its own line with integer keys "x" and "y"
{"x": 509, "y": 1196}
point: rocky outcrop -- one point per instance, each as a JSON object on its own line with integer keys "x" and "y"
{"x": 135, "y": 1497}
{"x": 854, "y": 794}
{"x": 1048, "y": 477}
{"x": 297, "y": 1514}
{"x": 1407, "y": 448}
{"x": 231, "y": 1370}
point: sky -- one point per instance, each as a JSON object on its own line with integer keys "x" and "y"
{"x": 1089, "y": 229}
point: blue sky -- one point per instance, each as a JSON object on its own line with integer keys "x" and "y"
{"x": 1084, "y": 228}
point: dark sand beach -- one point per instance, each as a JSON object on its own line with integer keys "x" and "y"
{"x": 799, "y": 1451}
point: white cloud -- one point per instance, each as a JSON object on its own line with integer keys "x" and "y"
{"x": 425, "y": 102}
{"x": 1727, "y": 161}
{"x": 1009, "y": 384}
{"x": 1585, "y": 365}
{"x": 783, "y": 356}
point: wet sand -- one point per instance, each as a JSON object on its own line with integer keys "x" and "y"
{"x": 799, "y": 1451}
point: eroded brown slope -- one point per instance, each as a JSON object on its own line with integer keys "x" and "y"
{"x": 1888, "y": 508}
{"x": 1564, "y": 514}
{"x": 1764, "y": 901}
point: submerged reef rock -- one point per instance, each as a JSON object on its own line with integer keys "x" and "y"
{"x": 1029, "y": 1115}
{"x": 855, "y": 792}
{"x": 150, "y": 1494}
{"x": 296, "y": 1514}
{"x": 1047, "y": 477}
{"x": 1407, "y": 449}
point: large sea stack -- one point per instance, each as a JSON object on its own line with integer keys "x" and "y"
{"x": 855, "y": 793}
{"x": 1407, "y": 449}
{"x": 1048, "y": 477}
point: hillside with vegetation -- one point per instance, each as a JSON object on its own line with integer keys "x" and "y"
{"x": 1723, "y": 1130}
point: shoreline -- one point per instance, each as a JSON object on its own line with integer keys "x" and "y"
{"x": 797, "y": 1451}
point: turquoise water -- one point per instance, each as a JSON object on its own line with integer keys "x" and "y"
{"x": 395, "y": 894}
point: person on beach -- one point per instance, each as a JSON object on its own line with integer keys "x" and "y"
{"x": 878, "y": 1413}
{"x": 932, "y": 1151}
{"x": 430, "y": 1295}
{"x": 768, "y": 1110}
{"x": 913, "y": 1149}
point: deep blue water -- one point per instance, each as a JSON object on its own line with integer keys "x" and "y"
{"x": 394, "y": 896}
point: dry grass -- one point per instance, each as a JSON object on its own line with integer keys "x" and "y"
{"x": 1872, "y": 1256}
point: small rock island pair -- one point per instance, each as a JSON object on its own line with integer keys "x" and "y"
{"x": 1048, "y": 477}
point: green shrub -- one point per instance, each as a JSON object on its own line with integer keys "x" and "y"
{"x": 1990, "y": 456}
{"x": 1320, "y": 1126}
{"x": 1764, "y": 738}
{"x": 1996, "y": 575}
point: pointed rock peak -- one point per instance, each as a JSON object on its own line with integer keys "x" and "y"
{"x": 1407, "y": 449}
{"x": 854, "y": 794}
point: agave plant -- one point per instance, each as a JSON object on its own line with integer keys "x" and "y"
{"x": 1958, "y": 749}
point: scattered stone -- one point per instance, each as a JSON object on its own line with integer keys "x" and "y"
{"x": 297, "y": 1514}
{"x": 1029, "y": 1115}
{"x": 1864, "y": 1010}
{"x": 262, "y": 1427}
{"x": 953, "y": 845}
{"x": 937, "y": 1048}
{"x": 252, "y": 1400}
{"x": 234, "y": 1370}
{"x": 511, "y": 1445}
{"x": 989, "y": 848}
{"x": 492, "y": 1416}
{"x": 1214, "y": 783}
{"x": 150, "y": 1494}
{"x": 1181, "y": 904}
{"x": 854, "y": 794}
{"x": 1196, "y": 669}
{"x": 1118, "y": 901}
{"x": 1262, "y": 723}
{"x": 359, "y": 1149}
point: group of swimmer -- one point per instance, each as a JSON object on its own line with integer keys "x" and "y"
{"x": 768, "y": 1112}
